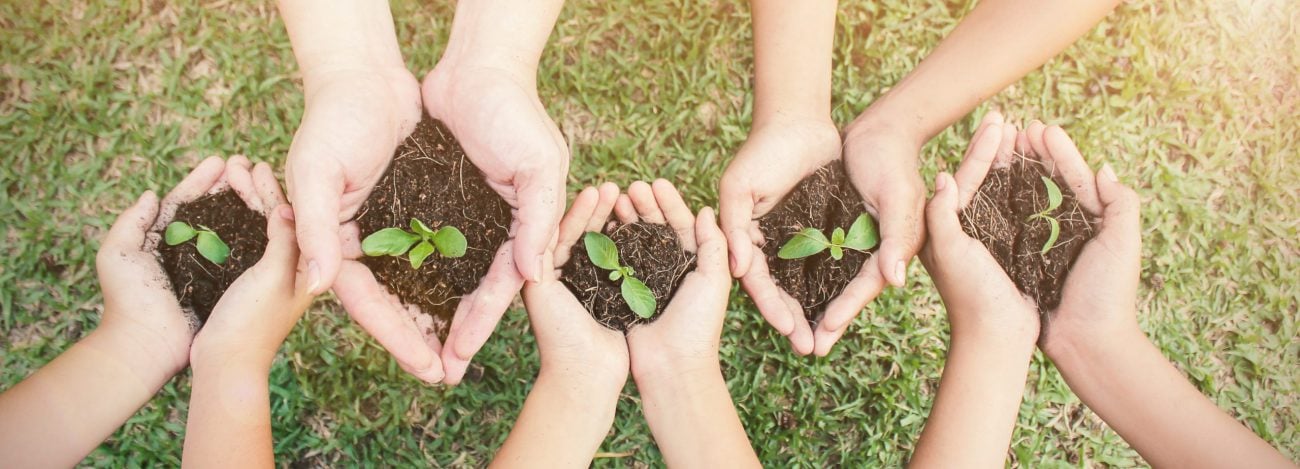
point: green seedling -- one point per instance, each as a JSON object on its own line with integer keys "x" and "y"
{"x": 1053, "y": 201}
{"x": 417, "y": 244}
{"x": 862, "y": 235}
{"x": 604, "y": 254}
{"x": 210, "y": 246}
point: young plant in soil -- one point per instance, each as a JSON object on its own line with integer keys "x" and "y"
{"x": 1053, "y": 202}
{"x": 206, "y": 241}
{"x": 604, "y": 253}
{"x": 418, "y": 243}
{"x": 862, "y": 235}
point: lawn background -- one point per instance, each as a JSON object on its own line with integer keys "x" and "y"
{"x": 1195, "y": 103}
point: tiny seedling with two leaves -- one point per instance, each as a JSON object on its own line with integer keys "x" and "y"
{"x": 209, "y": 245}
{"x": 417, "y": 244}
{"x": 604, "y": 254}
{"x": 1053, "y": 201}
{"x": 862, "y": 235}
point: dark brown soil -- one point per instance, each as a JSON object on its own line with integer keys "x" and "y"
{"x": 198, "y": 282}
{"x": 824, "y": 200}
{"x": 431, "y": 179}
{"x": 651, "y": 250}
{"x": 998, "y": 216}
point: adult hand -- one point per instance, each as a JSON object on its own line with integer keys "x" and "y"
{"x": 751, "y": 188}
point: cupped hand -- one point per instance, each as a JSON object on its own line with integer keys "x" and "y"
{"x": 1097, "y": 299}
{"x": 980, "y": 298}
{"x": 768, "y": 166}
{"x": 571, "y": 342}
{"x": 256, "y": 313}
{"x": 686, "y": 335}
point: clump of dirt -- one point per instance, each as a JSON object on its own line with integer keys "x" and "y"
{"x": 651, "y": 250}
{"x": 199, "y": 283}
{"x": 430, "y": 178}
{"x": 824, "y": 200}
{"x": 999, "y": 217}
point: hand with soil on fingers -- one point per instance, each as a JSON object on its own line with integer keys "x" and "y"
{"x": 1095, "y": 341}
{"x": 993, "y": 324}
{"x": 584, "y": 364}
{"x": 675, "y": 357}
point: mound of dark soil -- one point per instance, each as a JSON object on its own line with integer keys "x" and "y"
{"x": 651, "y": 250}
{"x": 198, "y": 282}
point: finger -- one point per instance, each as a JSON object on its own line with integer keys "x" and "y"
{"x": 624, "y": 210}
{"x": 608, "y": 197}
{"x": 1007, "y": 149}
{"x": 766, "y": 295}
{"x": 979, "y": 158}
{"x": 1034, "y": 133}
{"x": 1023, "y": 148}
{"x": 223, "y": 183}
{"x": 132, "y": 226}
{"x": 676, "y": 213}
{"x": 864, "y": 287}
{"x": 195, "y": 185}
{"x": 736, "y": 205}
{"x": 482, "y": 313}
{"x": 316, "y": 196}
{"x": 1069, "y": 162}
{"x": 281, "y": 245}
{"x": 711, "y": 258}
{"x": 268, "y": 187}
{"x": 643, "y": 199}
{"x": 370, "y": 307}
{"x": 240, "y": 180}
{"x": 541, "y": 204}
{"x": 1121, "y": 222}
{"x": 824, "y": 341}
{"x": 802, "y": 337}
{"x": 349, "y": 240}
{"x": 901, "y": 229}
{"x": 942, "y": 223}
{"x": 575, "y": 222}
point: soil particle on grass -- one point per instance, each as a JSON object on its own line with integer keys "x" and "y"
{"x": 654, "y": 254}
{"x": 198, "y": 282}
{"x": 824, "y": 200}
{"x": 998, "y": 216}
{"x": 430, "y": 178}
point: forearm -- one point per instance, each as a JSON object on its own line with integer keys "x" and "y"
{"x": 229, "y": 421}
{"x": 792, "y": 59}
{"x": 62, "y": 412}
{"x": 340, "y": 35}
{"x": 996, "y": 44}
{"x": 979, "y": 397}
{"x": 693, "y": 419}
{"x": 1125, "y": 379}
{"x": 508, "y": 35}
{"x": 563, "y": 422}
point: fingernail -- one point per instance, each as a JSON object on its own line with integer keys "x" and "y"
{"x": 1108, "y": 173}
{"x": 900, "y": 272}
{"x": 940, "y": 182}
{"x": 313, "y": 276}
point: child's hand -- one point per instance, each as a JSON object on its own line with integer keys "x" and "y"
{"x": 257, "y": 312}
{"x": 980, "y": 298}
{"x": 1098, "y": 298}
{"x": 750, "y": 188}
{"x": 139, "y": 304}
{"x": 685, "y": 337}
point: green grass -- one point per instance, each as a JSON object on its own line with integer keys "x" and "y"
{"x": 1193, "y": 102}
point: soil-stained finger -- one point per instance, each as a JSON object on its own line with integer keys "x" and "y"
{"x": 604, "y": 207}
{"x": 268, "y": 187}
{"x": 485, "y": 307}
{"x": 350, "y": 241}
{"x": 676, "y": 213}
{"x": 240, "y": 179}
{"x": 1072, "y": 167}
{"x": 643, "y": 200}
{"x": 1007, "y": 149}
{"x": 575, "y": 221}
{"x": 762, "y": 289}
{"x": 624, "y": 210}
{"x": 195, "y": 185}
{"x": 860, "y": 291}
{"x": 1034, "y": 132}
{"x": 371, "y": 307}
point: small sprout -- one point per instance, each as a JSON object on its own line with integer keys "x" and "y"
{"x": 1054, "y": 199}
{"x": 604, "y": 254}
{"x": 210, "y": 246}
{"x": 418, "y": 244}
{"x": 862, "y": 235}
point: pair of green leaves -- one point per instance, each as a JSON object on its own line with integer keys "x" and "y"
{"x": 1053, "y": 201}
{"x": 862, "y": 235}
{"x": 418, "y": 243}
{"x": 604, "y": 254}
{"x": 210, "y": 246}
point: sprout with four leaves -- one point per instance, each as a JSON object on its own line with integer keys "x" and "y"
{"x": 417, "y": 244}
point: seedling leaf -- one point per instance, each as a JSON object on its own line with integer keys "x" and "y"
{"x": 419, "y": 253}
{"x": 388, "y": 242}
{"x": 837, "y": 236}
{"x": 638, "y": 297}
{"x": 450, "y": 242}
{"x": 418, "y": 227}
{"x": 804, "y": 243}
{"x": 178, "y": 232}
{"x": 614, "y": 275}
{"x": 1053, "y": 194}
{"x": 212, "y": 247}
{"x": 601, "y": 250}
{"x": 1051, "y": 237}
{"x": 837, "y": 252}
{"x": 862, "y": 234}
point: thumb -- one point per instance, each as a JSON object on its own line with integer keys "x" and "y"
{"x": 281, "y": 244}
{"x": 129, "y": 231}
{"x": 711, "y": 254}
{"x": 541, "y": 201}
{"x": 901, "y": 227}
{"x": 941, "y": 213}
{"x": 736, "y": 204}
{"x": 1121, "y": 224}
{"x": 316, "y": 191}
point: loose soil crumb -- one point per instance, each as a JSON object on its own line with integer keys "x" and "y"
{"x": 651, "y": 250}
{"x": 824, "y": 200}
{"x": 198, "y": 282}
{"x": 998, "y": 216}
{"x": 431, "y": 179}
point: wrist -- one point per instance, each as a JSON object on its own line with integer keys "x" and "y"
{"x": 879, "y": 120}
{"x": 660, "y": 371}
{"x": 208, "y": 356}
{"x": 165, "y": 353}
{"x": 590, "y": 378}
{"x": 1071, "y": 345}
